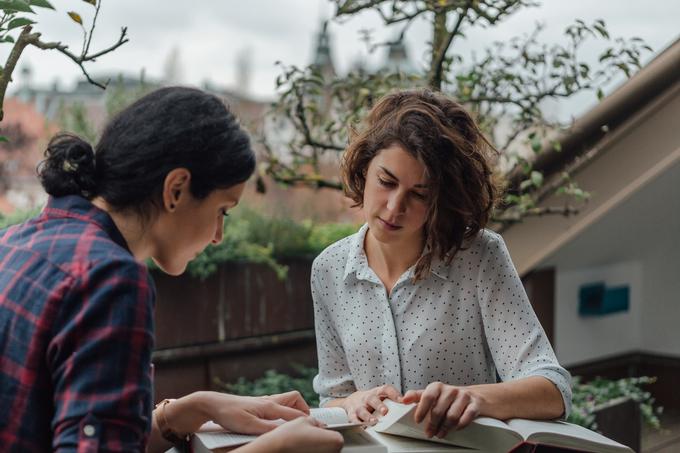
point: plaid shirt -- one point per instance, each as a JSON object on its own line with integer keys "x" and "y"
{"x": 76, "y": 334}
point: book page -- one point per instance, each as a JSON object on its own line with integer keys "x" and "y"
{"x": 483, "y": 433}
{"x": 220, "y": 439}
{"x": 565, "y": 434}
{"x": 330, "y": 415}
{"x": 400, "y": 444}
{"x": 335, "y": 418}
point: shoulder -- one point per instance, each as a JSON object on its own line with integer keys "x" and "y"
{"x": 484, "y": 246}
{"x": 79, "y": 249}
{"x": 334, "y": 257}
{"x": 484, "y": 243}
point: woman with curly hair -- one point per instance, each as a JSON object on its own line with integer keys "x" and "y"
{"x": 423, "y": 304}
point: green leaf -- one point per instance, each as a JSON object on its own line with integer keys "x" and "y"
{"x": 537, "y": 178}
{"x": 76, "y": 17}
{"x": 19, "y": 22}
{"x": 557, "y": 146}
{"x": 7, "y": 39}
{"x": 536, "y": 143}
{"x": 3, "y": 139}
{"x": 15, "y": 5}
{"x": 600, "y": 94}
{"x": 41, "y": 4}
{"x": 91, "y": 2}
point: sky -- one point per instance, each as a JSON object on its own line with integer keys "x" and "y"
{"x": 209, "y": 36}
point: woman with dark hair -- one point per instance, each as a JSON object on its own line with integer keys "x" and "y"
{"x": 423, "y": 299}
{"x": 76, "y": 300}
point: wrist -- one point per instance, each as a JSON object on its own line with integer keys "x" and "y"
{"x": 483, "y": 398}
{"x": 270, "y": 442}
{"x": 162, "y": 417}
{"x": 188, "y": 413}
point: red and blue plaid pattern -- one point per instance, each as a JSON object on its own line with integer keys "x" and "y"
{"x": 76, "y": 334}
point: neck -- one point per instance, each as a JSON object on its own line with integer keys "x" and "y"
{"x": 394, "y": 258}
{"x": 130, "y": 227}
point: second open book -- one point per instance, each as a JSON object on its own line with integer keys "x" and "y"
{"x": 492, "y": 435}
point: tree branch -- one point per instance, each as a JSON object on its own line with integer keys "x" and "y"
{"x": 511, "y": 216}
{"x": 306, "y": 131}
{"x": 80, "y": 60}
{"x": 12, "y": 60}
{"x": 435, "y": 79}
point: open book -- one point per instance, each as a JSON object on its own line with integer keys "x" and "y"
{"x": 213, "y": 438}
{"x": 492, "y": 435}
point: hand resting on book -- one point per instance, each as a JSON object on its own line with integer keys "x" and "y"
{"x": 443, "y": 407}
{"x": 365, "y": 405}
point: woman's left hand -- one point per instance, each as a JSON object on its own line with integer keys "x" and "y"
{"x": 444, "y": 407}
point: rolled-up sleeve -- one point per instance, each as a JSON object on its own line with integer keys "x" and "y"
{"x": 516, "y": 340}
{"x": 100, "y": 359}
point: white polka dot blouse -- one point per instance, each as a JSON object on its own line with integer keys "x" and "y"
{"x": 464, "y": 324}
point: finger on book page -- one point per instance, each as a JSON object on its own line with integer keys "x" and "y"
{"x": 274, "y": 411}
{"x": 363, "y": 415}
{"x": 427, "y": 400}
{"x": 291, "y": 399}
{"x": 445, "y": 411}
{"x": 376, "y": 403}
{"x": 412, "y": 396}
{"x": 471, "y": 412}
{"x": 389, "y": 391}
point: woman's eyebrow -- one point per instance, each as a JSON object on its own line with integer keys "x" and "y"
{"x": 391, "y": 175}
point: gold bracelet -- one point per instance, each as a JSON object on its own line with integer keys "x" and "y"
{"x": 167, "y": 432}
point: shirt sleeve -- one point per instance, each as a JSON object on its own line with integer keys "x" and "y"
{"x": 516, "y": 340}
{"x": 334, "y": 379}
{"x": 100, "y": 361}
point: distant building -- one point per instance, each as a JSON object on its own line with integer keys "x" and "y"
{"x": 32, "y": 116}
{"x": 398, "y": 60}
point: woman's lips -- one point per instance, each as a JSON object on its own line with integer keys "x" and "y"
{"x": 388, "y": 226}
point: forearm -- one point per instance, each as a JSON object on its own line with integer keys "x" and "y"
{"x": 263, "y": 443}
{"x": 183, "y": 416}
{"x": 533, "y": 397}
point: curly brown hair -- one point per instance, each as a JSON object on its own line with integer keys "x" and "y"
{"x": 440, "y": 134}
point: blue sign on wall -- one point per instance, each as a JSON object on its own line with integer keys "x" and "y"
{"x": 595, "y": 299}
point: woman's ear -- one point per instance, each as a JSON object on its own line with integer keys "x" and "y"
{"x": 176, "y": 188}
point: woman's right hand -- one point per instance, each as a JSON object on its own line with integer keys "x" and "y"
{"x": 363, "y": 405}
{"x": 304, "y": 434}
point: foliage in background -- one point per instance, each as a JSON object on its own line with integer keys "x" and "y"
{"x": 586, "y": 396}
{"x": 74, "y": 118}
{"x": 252, "y": 237}
{"x": 589, "y": 395}
{"x": 503, "y": 86}
{"x": 18, "y": 15}
{"x": 274, "y": 382}
{"x": 17, "y": 217}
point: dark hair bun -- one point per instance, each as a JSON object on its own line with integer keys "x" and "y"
{"x": 69, "y": 167}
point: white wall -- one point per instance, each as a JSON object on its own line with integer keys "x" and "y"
{"x": 637, "y": 242}
{"x": 661, "y": 274}
{"x": 580, "y": 339}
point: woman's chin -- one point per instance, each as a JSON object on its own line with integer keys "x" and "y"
{"x": 174, "y": 269}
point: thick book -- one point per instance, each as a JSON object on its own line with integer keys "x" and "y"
{"x": 212, "y": 438}
{"x": 492, "y": 435}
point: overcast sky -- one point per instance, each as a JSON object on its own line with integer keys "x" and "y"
{"x": 209, "y": 35}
